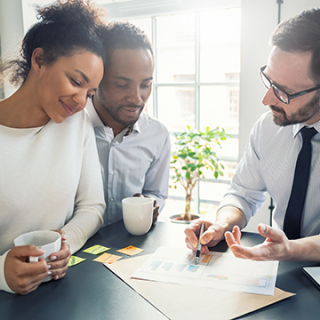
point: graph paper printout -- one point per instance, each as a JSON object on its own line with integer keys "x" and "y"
{"x": 215, "y": 270}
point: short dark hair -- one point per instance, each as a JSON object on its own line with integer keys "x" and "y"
{"x": 65, "y": 27}
{"x": 301, "y": 33}
{"x": 124, "y": 35}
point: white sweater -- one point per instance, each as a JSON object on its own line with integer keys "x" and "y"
{"x": 49, "y": 179}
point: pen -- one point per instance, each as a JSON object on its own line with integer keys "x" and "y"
{"x": 199, "y": 244}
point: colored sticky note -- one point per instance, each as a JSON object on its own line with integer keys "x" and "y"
{"x": 74, "y": 260}
{"x": 130, "y": 250}
{"x": 97, "y": 249}
{"x": 107, "y": 258}
{"x": 206, "y": 258}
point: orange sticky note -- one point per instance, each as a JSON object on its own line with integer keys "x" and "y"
{"x": 107, "y": 258}
{"x": 130, "y": 250}
{"x": 206, "y": 258}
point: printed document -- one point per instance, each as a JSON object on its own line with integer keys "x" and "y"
{"x": 215, "y": 270}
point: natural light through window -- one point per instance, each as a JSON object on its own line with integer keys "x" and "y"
{"x": 196, "y": 81}
{"x": 197, "y": 84}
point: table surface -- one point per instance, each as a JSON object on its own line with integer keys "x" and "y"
{"x": 91, "y": 291}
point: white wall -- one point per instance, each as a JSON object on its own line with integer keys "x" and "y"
{"x": 259, "y": 18}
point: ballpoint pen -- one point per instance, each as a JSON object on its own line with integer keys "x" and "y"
{"x": 199, "y": 244}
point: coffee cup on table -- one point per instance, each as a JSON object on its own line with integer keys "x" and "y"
{"x": 48, "y": 240}
{"x": 137, "y": 214}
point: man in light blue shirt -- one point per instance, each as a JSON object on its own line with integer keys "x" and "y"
{"x": 292, "y": 77}
{"x": 134, "y": 148}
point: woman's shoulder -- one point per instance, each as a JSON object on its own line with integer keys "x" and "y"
{"x": 80, "y": 119}
{"x": 78, "y": 126}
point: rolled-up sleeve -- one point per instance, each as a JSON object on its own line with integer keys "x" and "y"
{"x": 247, "y": 188}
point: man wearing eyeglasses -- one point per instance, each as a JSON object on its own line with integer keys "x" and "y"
{"x": 282, "y": 156}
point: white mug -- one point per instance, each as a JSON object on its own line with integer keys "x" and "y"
{"x": 137, "y": 214}
{"x": 48, "y": 240}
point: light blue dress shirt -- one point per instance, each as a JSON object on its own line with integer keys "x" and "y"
{"x": 268, "y": 165}
{"x": 137, "y": 163}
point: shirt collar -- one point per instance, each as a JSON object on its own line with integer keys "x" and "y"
{"x": 297, "y": 127}
{"x": 136, "y": 126}
{"x": 96, "y": 121}
{"x": 94, "y": 117}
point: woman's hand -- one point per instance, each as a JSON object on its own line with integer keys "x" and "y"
{"x": 58, "y": 261}
{"x": 21, "y": 276}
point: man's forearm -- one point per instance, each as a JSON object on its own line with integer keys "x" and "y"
{"x": 305, "y": 249}
{"x": 230, "y": 216}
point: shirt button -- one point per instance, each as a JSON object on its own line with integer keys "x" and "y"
{"x": 112, "y": 172}
{"x": 111, "y": 199}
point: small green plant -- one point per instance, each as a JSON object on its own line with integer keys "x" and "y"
{"x": 193, "y": 152}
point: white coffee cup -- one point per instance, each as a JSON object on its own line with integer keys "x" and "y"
{"x": 48, "y": 240}
{"x": 137, "y": 214}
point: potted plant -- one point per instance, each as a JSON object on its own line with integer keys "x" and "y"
{"x": 192, "y": 153}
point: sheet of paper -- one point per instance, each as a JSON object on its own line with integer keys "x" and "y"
{"x": 222, "y": 271}
{"x": 175, "y": 300}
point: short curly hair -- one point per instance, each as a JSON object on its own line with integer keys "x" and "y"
{"x": 123, "y": 35}
{"x": 301, "y": 33}
{"x": 63, "y": 29}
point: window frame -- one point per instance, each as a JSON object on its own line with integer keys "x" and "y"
{"x": 152, "y": 9}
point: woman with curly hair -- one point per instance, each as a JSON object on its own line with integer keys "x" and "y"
{"x": 49, "y": 172}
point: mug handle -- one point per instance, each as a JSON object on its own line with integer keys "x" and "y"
{"x": 33, "y": 259}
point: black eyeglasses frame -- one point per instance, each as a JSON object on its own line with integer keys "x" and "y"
{"x": 275, "y": 88}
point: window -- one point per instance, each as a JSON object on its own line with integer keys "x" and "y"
{"x": 197, "y": 75}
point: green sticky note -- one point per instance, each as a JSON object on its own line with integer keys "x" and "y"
{"x": 74, "y": 260}
{"x": 97, "y": 249}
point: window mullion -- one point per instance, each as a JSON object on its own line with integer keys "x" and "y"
{"x": 155, "y": 75}
{"x": 197, "y": 98}
{"x": 197, "y": 70}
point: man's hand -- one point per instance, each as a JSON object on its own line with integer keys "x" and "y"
{"x": 275, "y": 247}
{"x": 23, "y": 277}
{"x": 155, "y": 207}
{"x": 212, "y": 235}
{"x": 58, "y": 263}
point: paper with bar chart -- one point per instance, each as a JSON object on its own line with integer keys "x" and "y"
{"x": 215, "y": 270}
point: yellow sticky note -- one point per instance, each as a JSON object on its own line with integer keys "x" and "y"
{"x": 107, "y": 258}
{"x": 97, "y": 249}
{"x": 130, "y": 250}
{"x": 206, "y": 258}
{"x": 74, "y": 260}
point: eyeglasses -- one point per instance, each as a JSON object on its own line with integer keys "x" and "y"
{"x": 280, "y": 94}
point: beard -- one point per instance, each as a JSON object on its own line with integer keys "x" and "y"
{"x": 115, "y": 113}
{"x": 303, "y": 114}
